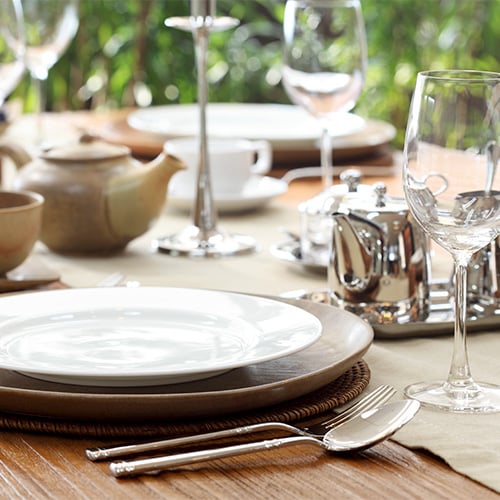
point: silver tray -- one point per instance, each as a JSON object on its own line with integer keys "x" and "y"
{"x": 439, "y": 322}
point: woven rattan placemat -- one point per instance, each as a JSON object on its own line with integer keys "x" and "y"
{"x": 340, "y": 391}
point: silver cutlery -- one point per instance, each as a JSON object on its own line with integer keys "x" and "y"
{"x": 365, "y": 430}
{"x": 378, "y": 396}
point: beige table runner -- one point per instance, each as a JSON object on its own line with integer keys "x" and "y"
{"x": 469, "y": 443}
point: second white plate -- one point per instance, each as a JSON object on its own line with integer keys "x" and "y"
{"x": 283, "y": 125}
{"x": 146, "y": 335}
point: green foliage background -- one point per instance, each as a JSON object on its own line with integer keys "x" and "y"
{"x": 123, "y": 55}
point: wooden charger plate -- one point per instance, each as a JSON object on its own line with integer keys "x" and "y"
{"x": 344, "y": 341}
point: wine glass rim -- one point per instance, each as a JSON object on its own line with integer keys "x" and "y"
{"x": 460, "y": 74}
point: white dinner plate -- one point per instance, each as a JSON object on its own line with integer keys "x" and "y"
{"x": 257, "y": 193}
{"x": 145, "y": 335}
{"x": 284, "y": 126}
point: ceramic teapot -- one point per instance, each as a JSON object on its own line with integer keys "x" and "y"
{"x": 97, "y": 197}
{"x": 380, "y": 264}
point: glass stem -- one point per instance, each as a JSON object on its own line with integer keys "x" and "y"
{"x": 204, "y": 211}
{"x": 326, "y": 159}
{"x": 459, "y": 377}
{"x": 41, "y": 99}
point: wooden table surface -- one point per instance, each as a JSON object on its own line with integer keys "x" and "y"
{"x": 47, "y": 466}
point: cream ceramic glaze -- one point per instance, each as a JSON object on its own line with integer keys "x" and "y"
{"x": 97, "y": 197}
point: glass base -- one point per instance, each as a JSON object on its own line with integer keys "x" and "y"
{"x": 440, "y": 395}
{"x": 192, "y": 242}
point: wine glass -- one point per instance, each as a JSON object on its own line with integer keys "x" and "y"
{"x": 11, "y": 66}
{"x": 11, "y": 71}
{"x": 324, "y": 61}
{"x": 40, "y": 31}
{"x": 203, "y": 238}
{"x": 449, "y": 175}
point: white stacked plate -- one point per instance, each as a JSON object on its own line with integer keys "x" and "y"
{"x": 284, "y": 126}
{"x": 147, "y": 335}
{"x": 156, "y": 352}
{"x": 292, "y": 132}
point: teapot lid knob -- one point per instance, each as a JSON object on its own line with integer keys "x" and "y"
{"x": 380, "y": 190}
{"x": 88, "y": 137}
{"x": 352, "y": 178}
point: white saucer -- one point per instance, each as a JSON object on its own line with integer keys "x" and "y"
{"x": 257, "y": 192}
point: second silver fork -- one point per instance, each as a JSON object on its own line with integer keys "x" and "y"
{"x": 378, "y": 396}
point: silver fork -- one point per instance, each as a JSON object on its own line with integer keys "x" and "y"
{"x": 376, "y": 397}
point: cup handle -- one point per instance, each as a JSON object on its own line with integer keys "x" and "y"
{"x": 264, "y": 157}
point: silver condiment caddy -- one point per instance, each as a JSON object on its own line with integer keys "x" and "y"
{"x": 378, "y": 259}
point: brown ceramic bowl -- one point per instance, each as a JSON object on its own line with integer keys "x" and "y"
{"x": 20, "y": 222}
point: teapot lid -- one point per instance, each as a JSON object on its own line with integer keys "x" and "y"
{"x": 329, "y": 200}
{"x": 378, "y": 202}
{"x": 87, "y": 148}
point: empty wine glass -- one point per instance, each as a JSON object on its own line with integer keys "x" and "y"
{"x": 451, "y": 152}
{"x": 11, "y": 71}
{"x": 324, "y": 61}
{"x": 11, "y": 66}
{"x": 40, "y": 31}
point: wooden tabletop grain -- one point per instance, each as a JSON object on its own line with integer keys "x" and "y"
{"x": 48, "y": 466}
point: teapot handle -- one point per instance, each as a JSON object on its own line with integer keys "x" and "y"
{"x": 16, "y": 153}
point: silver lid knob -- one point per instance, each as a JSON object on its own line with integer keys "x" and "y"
{"x": 380, "y": 190}
{"x": 352, "y": 178}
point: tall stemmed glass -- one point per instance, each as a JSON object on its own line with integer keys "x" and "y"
{"x": 449, "y": 175}
{"x": 40, "y": 32}
{"x": 324, "y": 62}
{"x": 11, "y": 71}
{"x": 203, "y": 238}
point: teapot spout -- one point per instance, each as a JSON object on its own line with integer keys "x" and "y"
{"x": 136, "y": 198}
{"x": 352, "y": 260}
{"x": 161, "y": 169}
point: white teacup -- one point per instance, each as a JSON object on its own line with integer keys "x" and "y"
{"x": 232, "y": 163}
